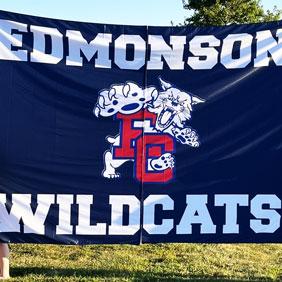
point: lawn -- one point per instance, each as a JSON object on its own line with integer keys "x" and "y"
{"x": 159, "y": 262}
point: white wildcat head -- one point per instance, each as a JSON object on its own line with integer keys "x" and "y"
{"x": 173, "y": 106}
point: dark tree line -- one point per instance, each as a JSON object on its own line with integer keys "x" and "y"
{"x": 224, "y": 12}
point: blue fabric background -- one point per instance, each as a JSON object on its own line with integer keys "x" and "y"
{"x": 51, "y": 142}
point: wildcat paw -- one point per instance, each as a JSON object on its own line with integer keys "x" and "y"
{"x": 126, "y": 99}
{"x": 163, "y": 162}
{"x": 110, "y": 175}
{"x": 186, "y": 136}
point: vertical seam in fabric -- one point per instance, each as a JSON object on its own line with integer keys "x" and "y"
{"x": 143, "y": 130}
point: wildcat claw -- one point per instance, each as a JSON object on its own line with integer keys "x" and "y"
{"x": 96, "y": 111}
{"x": 101, "y": 102}
{"x": 112, "y": 93}
{"x": 126, "y": 90}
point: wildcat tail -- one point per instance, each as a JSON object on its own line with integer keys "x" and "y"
{"x": 113, "y": 140}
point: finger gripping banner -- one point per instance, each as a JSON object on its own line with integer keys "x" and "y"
{"x": 136, "y": 134}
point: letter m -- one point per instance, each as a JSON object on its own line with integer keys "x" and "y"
{"x": 78, "y": 45}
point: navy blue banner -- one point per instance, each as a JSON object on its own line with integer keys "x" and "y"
{"x": 135, "y": 134}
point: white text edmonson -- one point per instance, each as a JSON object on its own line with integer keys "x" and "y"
{"x": 202, "y": 52}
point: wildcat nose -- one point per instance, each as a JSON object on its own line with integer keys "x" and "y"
{"x": 174, "y": 103}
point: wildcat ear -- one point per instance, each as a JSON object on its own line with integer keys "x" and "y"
{"x": 196, "y": 100}
{"x": 165, "y": 85}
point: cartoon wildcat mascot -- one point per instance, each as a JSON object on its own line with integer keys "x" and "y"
{"x": 170, "y": 107}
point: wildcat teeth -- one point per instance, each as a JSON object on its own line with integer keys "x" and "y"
{"x": 169, "y": 120}
{"x": 166, "y": 108}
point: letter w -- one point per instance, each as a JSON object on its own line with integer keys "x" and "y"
{"x": 21, "y": 209}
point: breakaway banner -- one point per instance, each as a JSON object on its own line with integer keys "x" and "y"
{"x": 135, "y": 134}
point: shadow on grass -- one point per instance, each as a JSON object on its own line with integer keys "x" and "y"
{"x": 21, "y": 272}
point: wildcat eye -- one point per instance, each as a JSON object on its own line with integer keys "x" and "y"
{"x": 182, "y": 103}
{"x": 174, "y": 103}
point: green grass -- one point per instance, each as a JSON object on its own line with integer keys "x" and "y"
{"x": 159, "y": 262}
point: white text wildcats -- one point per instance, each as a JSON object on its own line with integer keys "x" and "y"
{"x": 200, "y": 52}
{"x": 264, "y": 211}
